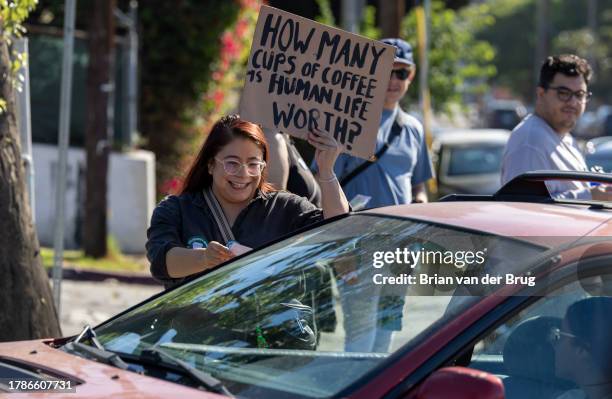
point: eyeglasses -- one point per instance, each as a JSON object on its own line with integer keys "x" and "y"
{"x": 556, "y": 334}
{"x": 564, "y": 94}
{"x": 401, "y": 74}
{"x": 233, "y": 167}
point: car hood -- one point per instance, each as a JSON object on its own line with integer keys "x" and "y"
{"x": 99, "y": 380}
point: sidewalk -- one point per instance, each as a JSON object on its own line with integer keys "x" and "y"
{"x": 90, "y": 296}
{"x": 92, "y": 302}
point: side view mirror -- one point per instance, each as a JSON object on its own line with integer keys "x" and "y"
{"x": 459, "y": 383}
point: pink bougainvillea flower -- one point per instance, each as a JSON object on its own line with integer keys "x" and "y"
{"x": 253, "y": 4}
{"x": 171, "y": 186}
{"x": 218, "y": 98}
{"x": 241, "y": 28}
{"x": 230, "y": 47}
{"x": 225, "y": 64}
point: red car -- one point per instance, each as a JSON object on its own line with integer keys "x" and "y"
{"x": 470, "y": 297}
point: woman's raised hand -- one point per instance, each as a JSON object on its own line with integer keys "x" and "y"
{"x": 327, "y": 151}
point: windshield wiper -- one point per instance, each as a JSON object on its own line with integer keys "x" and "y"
{"x": 98, "y": 352}
{"x": 152, "y": 354}
{"x": 102, "y": 355}
{"x": 90, "y": 334}
{"x": 161, "y": 358}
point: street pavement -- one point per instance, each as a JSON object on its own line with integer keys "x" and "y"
{"x": 92, "y": 302}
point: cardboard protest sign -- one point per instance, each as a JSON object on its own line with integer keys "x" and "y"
{"x": 302, "y": 74}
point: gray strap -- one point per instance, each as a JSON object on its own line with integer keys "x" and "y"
{"x": 218, "y": 215}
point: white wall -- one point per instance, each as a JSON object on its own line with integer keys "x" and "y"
{"x": 131, "y": 196}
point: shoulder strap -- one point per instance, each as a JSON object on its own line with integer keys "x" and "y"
{"x": 395, "y": 131}
{"x": 217, "y": 211}
{"x": 310, "y": 187}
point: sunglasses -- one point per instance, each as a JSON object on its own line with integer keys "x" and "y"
{"x": 401, "y": 74}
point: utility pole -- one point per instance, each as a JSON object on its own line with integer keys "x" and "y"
{"x": 391, "y": 13}
{"x": 542, "y": 35}
{"x": 423, "y": 16}
{"x": 351, "y": 15}
{"x": 130, "y": 71}
{"x": 592, "y": 23}
{"x": 98, "y": 132}
{"x": 62, "y": 145}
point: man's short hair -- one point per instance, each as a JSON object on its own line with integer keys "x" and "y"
{"x": 567, "y": 64}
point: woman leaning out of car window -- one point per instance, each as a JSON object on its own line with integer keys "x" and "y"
{"x": 227, "y": 206}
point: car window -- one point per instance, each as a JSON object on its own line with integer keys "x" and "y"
{"x": 310, "y": 315}
{"x": 475, "y": 160}
{"x": 543, "y": 350}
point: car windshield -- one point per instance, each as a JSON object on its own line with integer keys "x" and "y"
{"x": 475, "y": 160}
{"x": 304, "y": 317}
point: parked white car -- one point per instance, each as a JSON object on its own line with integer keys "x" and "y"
{"x": 468, "y": 161}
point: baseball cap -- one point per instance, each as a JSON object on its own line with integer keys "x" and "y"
{"x": 403, "y": 50}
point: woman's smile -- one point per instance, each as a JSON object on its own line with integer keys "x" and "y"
{"x": 238, "y": 186}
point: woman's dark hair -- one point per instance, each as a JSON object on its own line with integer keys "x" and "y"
{"x": 589, "y": 320}
{"x": 227, "y": 129}
{"x": 567, "y": 64}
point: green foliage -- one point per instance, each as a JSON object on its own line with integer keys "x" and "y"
{"x": 77, "y": 259}
{"x": 113, "y": 248}
{"x": 222, "y": 91}
{"x": 459, "y": 64}
{"x": 327, "y": 16}
{"x": 180, "y": 43}
{"x": 367, "y": 27}
{"x": 114, "y": 260}
{"x": 514, "y": 37}
{"x": 580, "y": 40}
{"x": 185, "y": 77}
{"x": 229, "y": 69}
{"x": 12, "y": 15}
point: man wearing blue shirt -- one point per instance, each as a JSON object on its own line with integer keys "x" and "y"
{"x": 399, "y": 176}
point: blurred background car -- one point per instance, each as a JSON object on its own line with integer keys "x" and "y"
{"x": 600, "y": 156}
{"x": 592, "y": 144}
{"x": 504, "y": 114}
{"x": 468, "y": 161}
{"x": 595, "y": 124}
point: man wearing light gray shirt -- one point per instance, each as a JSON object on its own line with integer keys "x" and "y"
{"x": 534, "y": 145}
{"x": 542, "y": 141}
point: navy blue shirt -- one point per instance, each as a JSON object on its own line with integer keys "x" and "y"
{"x": 185, "y": 221}
{"x": 406, "y": 163}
